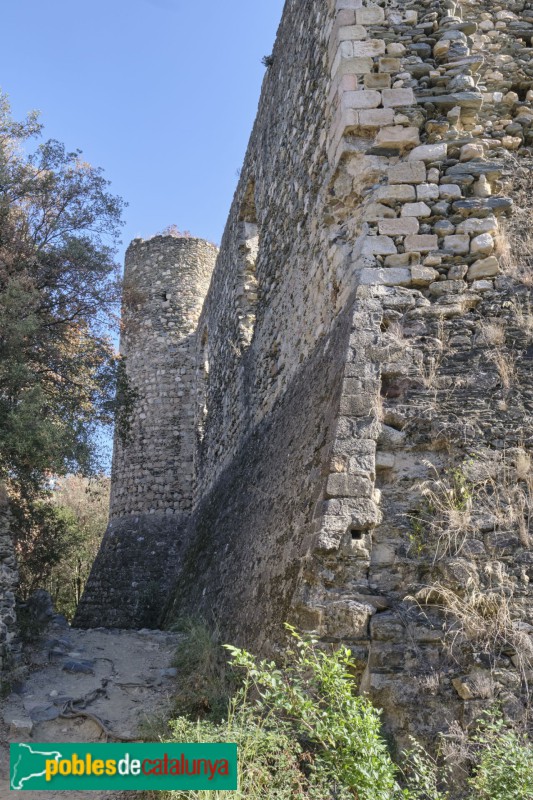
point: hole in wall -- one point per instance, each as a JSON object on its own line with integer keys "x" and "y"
{"x": 357, "y": 535}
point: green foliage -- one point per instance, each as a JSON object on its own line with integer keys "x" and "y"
{"x": 42, "y": 534}
{"x": 423, "y": 775}
{"x": 125, "y": 401}
{"x": 505, "y": 762}
{"x": 313, "y": 698}
{"x": 304, "y": 733}
{"x": 269, "y": 759}
{"x": 500, "y": 758}
{"x": 461, "y": 489}
{"x": 205, "y": 680}
{"x": 58, "y": 296}
{"x": 57, "y": 536}
{"x": 85, "y": 503}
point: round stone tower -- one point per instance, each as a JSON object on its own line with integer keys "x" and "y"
{"x": 165, "y": 283}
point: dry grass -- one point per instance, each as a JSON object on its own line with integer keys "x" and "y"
{"x": 506, "y": 365}
{"x": 514, "y": 242}
{"x": 481, "y": 618}
{"x": 492, "y": 333}
{"x": 445, "y": 521}
{"x": 499, "y": 489}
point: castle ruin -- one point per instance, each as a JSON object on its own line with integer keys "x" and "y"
{"x": 333, "y": 424}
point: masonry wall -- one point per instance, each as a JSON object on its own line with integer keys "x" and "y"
{"x": 363, "y": 361}
{"x": 426, "y": 108}
{"x": 165, "y": 282}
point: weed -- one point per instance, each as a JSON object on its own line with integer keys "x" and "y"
{"x": 206, "y": 681}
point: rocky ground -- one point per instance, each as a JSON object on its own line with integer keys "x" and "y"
{"x": 87, "y": 686}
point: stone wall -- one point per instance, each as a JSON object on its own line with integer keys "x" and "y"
{"x": 165, "y": 282}
{"x": 362, "y": 382}
{"x": 8, "y": 584}
{"x": 430, "y": 585}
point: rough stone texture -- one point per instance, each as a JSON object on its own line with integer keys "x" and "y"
{"x": 8, "y": 583}
{"x": 165, "y": 282}
{"x": 363, "y": 369}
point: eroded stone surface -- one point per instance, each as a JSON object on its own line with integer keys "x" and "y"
{"x": 363, "y": 298}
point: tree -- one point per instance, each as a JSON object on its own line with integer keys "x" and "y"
{"x": 58, "y": 299}
{"x": 86, "y": 501}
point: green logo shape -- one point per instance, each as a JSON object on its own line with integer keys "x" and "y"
{"x": 166, "y": 767}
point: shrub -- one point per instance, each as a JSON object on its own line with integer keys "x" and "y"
{"x": 313, "y": 697}
{"x": 304, "y": 733}
{"x": 505, "y": 762}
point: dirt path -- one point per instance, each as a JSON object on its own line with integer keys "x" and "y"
{"x": 123, "y": 678}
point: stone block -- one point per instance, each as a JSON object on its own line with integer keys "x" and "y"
{"x": 402, "y": 260}
{"x": 378, "y": 246}
{"x": 457, "y": 243}
{"x": 416, "y": 210}
{"x": 421, "y": 243}
{"x": 429, "y": 152}
{"x": 407, "y": 172}
{"x": 357, "y": 405}
{"x": 392, "y": 276}
{"x": 440, "y": 288}
{"x": 427, "y": 191}
{"x": 398, "y": 193}
{"x": 385, "y": 460}
{"x": 21, "y": 728}
{"x": 377, "y": 80}
{"x": 383, "y": 555}
{"x": 450, "y": 191}
{"x": 375, "y": 211}
{"x": 423, "y": 276}
{"x": 390, "y": 65}
{"x": 342, "y": 485}
{"x": 396, "y": 49}
{"x": 362, "y": 99}
{"x": 352, "y": 33}
{"x": 472, "y": 150}
{"x": 371, "y": 15}
{"x": 352, "y": 66}
{"x": 399, "y": 227}
{"x": 376, "y": 117}
{"x": 365, "y": 514}
{"x": 370, "y": 48}
{"x": 484, "y": 268}
{"x": 482, "y": 245}
{"x": 482, "y": 286}
{"x": 393, "y": 98}
{"x": 349, "y": 4}
{"x": 476, "y": 226}
{"x": 457, "y": 272}
{"x": 396, "y": 137}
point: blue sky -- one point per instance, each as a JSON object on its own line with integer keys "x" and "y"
{"x": 160, "y": 93}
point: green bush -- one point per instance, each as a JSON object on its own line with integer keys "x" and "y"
{"x": 206, "y": 682}
{"x": 313, "y": 699}
{"x": 505, "y": 762}
{"x": 305, "y": 734}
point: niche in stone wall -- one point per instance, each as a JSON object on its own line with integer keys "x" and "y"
{"x": 247, "y": 289}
